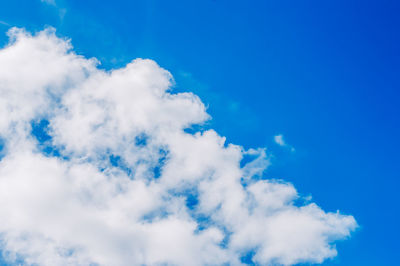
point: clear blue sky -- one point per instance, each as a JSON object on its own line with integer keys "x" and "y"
{"x": 325, "y": 74}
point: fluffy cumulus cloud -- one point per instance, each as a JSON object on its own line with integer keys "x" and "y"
{"x": 105, "y": 168}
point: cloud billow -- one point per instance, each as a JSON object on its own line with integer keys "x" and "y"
{"x": 97, "y": 168}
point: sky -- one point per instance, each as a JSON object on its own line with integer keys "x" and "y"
{"x": 314, "y": 83}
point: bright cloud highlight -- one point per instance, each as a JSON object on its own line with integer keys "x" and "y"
{"x": 98, "y": 168}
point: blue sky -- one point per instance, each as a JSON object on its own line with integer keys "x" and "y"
{"x": 324, "y": 74}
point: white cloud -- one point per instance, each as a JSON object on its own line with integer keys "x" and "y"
{"x": 281, "y": 142}
{"x": 77, "y": 207}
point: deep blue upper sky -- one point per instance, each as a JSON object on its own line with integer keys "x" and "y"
{"x": 325, "y": 74}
